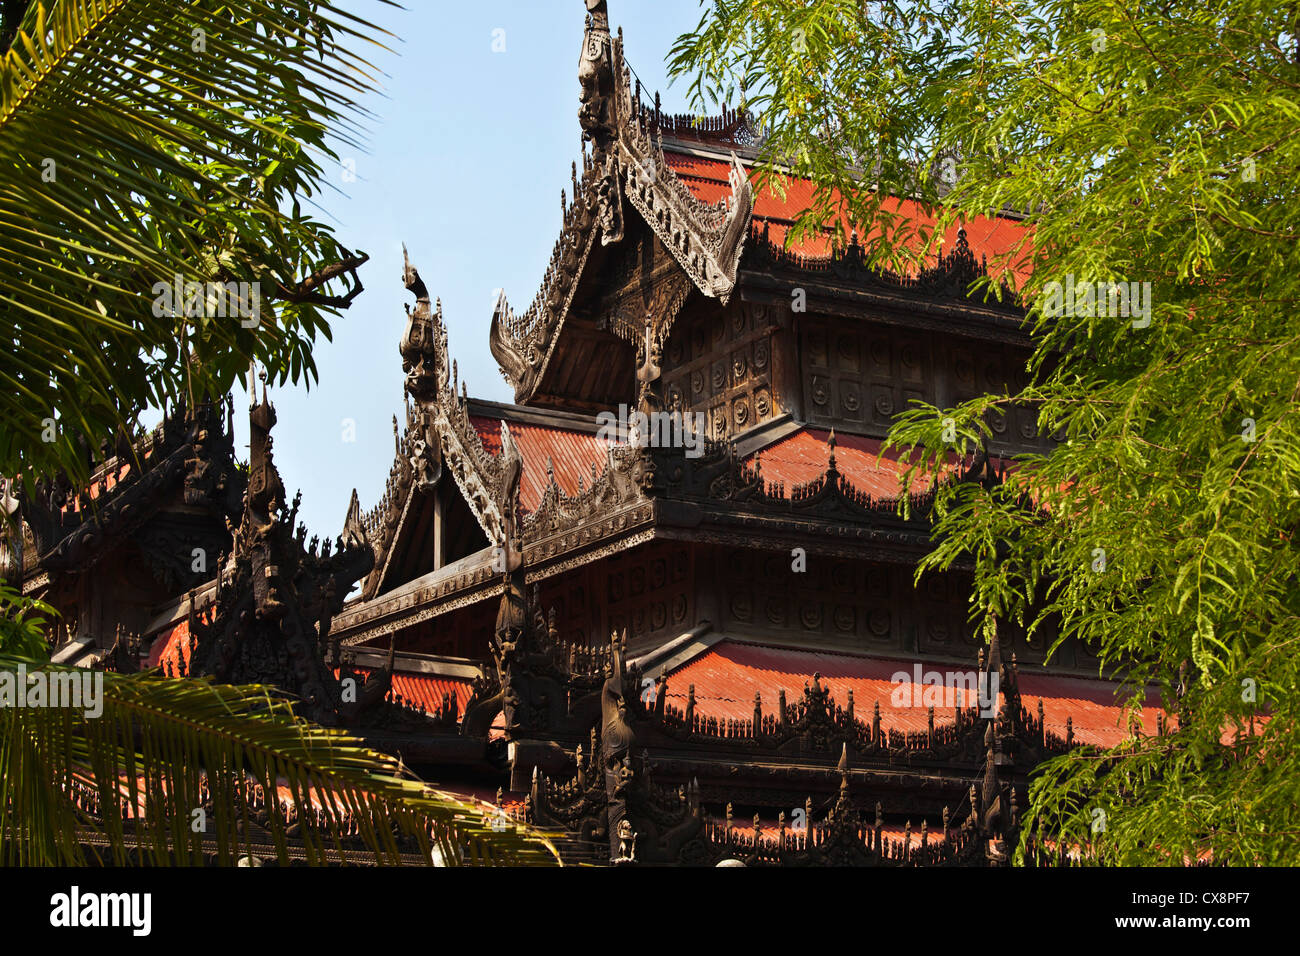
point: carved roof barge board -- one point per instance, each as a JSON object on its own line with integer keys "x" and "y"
{"x": 72, "y": 529}
{"x": 646, "y": 495}
{"x": 439, "y": 437}
{"x": 625, "y": 163}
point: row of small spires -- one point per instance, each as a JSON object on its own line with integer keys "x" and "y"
{"x": 842, "y": 819}
{"x": 731, "y": 838}
{"x": 556, "y": 279}
{"x": 960, "y": 262}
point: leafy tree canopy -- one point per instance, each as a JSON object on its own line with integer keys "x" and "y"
{"x": 1144, "y": 143}
{"x": 149, "y": 150}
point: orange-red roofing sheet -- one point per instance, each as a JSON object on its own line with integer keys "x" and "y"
{"x": 728, "y": 675}
{"x": 571, "y": 453}
{"x": 988, "y": 236}
{"x": 427, "y": 690}
{"x": 170, "y": 647}
{"x": 803, "y": 456}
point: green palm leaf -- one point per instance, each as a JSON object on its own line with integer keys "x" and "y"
{"x": 145, "y": 139}
{"x": 172, "y": 764}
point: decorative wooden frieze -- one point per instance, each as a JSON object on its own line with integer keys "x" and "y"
{"x": 721, "y": 364}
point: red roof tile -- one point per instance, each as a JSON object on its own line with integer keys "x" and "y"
{"x": 708, "y": 180}
{"x": 170, "y": 647}
{"x": 1091, "y": 704}
{"x": 427, "y": 690}
{"x": 803, "y": 456}
{"x": 728, "y": 675}
{"x": 572, "y": 453}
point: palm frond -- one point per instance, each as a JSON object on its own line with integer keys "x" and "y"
{"x": 141, "y": 140}
{"x": 169, "y": 770}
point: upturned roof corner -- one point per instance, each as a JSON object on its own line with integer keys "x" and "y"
{"x": 625, "y": 161}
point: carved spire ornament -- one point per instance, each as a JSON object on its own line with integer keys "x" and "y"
{"x": 626, "y": 162}
{"x": 270, "y": 624}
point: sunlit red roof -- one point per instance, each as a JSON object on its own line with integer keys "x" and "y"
{"x": 170, "y": 647}
{"x": 427, "y": 690}
{"x": 728, "y": 675}
{"x": 804, "y": 455}
{"x": 707, "y": 178}
{"x": 571, "y": 453}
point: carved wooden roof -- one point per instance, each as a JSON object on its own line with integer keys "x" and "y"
{"x": 74, "y": 528}
{"x": 625, "y": 169}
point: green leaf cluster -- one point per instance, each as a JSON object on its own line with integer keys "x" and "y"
{"x": 1141, "y": 143}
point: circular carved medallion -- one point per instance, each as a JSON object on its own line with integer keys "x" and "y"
{"x": 820, "y": 395}
{"x": 878, "y": 622}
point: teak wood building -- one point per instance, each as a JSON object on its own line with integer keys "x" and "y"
{"x": 754, "y": 570}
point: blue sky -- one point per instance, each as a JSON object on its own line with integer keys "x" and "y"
{"x": 467, "y": 155}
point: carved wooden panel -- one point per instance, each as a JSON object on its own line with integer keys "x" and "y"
{"x": 650, "y": 591}
{"x": 859, "y": 376}
{"x": 721, "y": 364}
{"x": 863, "y": 376}
{"x": 853, "y": 605}
{"x": 943, "y": 628}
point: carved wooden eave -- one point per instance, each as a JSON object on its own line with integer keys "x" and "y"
{"x": 196, "y": 450}
{"x": 721, "y": 498}
{"x": 949, "y": 278}
{"x": 841, "y": 284}
{"x": 644, "y": 495}
{"x": 407, "y": 484}
{"x": 546, "y": 551}
{"x": 439, "y": 438}
{"x": 626, "y": 162}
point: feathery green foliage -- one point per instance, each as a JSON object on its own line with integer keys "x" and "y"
{"x": 1150, "y": 143}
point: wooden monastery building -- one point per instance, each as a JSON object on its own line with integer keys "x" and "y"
{"x": 664, "y": 604}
